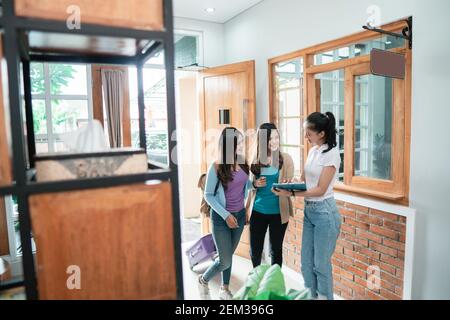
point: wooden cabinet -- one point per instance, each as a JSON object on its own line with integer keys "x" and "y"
{"x": 5, "y": 158}
{"x": 120, "y": 238}
{"x": 137, "y": 14}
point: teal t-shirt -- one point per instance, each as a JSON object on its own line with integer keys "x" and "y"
{"x": 266, "y": 201}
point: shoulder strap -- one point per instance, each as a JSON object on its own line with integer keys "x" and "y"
{"x": 218, "y": 181}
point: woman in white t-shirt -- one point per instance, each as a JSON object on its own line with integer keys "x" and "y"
{"x": 322, "y": 221}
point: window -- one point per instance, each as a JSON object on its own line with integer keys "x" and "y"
{"x": 61, "y": 102}
{"x": 372, "y": 112}
{"x": 188, "y": 48}
{"x": 154, "y": 76}
{"x": 288, "y": 78}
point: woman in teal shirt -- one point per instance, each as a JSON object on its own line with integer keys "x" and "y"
{"x": 268, "y": 210}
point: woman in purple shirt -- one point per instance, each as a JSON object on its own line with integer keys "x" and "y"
{"x": 227, "y": 185}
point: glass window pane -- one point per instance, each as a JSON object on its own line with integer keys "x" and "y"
{"x": 68, "y": 79}
{"x": 68, "y": 115}
{"x": 291, "y": 131}
{"x": 289, "y": 102}
{"x": 185, "y": 50}
{"x": 297, "y": 156}
{"x": 332, "y": 100}
{"x": 384, "y": 42}
{"x": 288, "y": 88}
{"x": 373, "y": 126}
{"x": 37, "y": 78}
{"x": 39, "y": 116}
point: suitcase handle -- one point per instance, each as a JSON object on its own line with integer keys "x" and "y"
{"x": 194, "y": 252}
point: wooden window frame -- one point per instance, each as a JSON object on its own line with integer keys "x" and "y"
{"x": 397, "y": 190}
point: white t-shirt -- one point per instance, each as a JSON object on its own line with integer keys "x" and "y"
{"x": 314, "y": 165}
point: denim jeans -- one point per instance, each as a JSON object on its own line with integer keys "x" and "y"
{"x": 226, "y": 241}
{"x": 321, "y": 227}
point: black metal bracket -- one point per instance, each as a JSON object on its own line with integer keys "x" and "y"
{"x": 406, "y": 32}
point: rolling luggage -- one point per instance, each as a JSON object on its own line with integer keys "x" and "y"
{"x": 202, "y": 250}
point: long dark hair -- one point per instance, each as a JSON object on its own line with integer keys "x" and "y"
{"x": 227, "y": 160}
{"x": 264, "y": 134}
{"x": 325, "y": 122}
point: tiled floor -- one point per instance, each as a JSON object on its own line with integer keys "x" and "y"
{"x": 241, "y": 268}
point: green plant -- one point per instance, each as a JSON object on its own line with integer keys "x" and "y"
{"x": 59, "y": 74}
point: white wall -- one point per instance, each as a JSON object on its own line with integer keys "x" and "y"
{"x": 213, "y": 39}
{"x": 274, "y": 27}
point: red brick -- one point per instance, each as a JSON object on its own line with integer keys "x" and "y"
{"x": 354, "y": 270}
{"x": 369, "y": 219}
{"x": 344, "y": 289}
{"x": 384, "y": 232}
{"x": 339, "y": 249}
{"x": 373, "y": 296}
{"x": 357, "y": 224}
{"x": 343, "y": 258}
{"x": 357, "y": 240}
{"x": 368, "y": 235}
{"x": 361, "y": 281}
{"x": 402, "y": 219}
{"x": 395, "y": 226}
{"x": 392, "y": 261}
{"x": 402, "y": 238}
{"x": 348, "y": 229}
{"x": 399, "y": 291}
{"x": 356, "y": 288}
{"x": 345, "y": 244}
{"x": 399, "y": 273}
{"x": 383, "y": 249}
{"x": 387, "y": 285}
{"x": 345, "y": 212}
{"x": 336, "y": 262}
{"x": 389, "y": 295}
{"x": 388, "y": 268}
{"x": 368, "y": 252}
{"x": 362, "y": 266}
{"x": 347, "y": 296}
{"x": 401, "y": 255}
{"x": 356, "y": 255}
{"x": 384, "y": 215}
{"x": 391, "y": 279}
{"x": 340, "y": 203}
{"x": 356, "y": 207}
{"x": 393, "y": 244}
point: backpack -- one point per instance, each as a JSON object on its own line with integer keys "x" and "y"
{"x": 204, "y": 206}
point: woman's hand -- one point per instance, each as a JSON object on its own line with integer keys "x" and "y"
{"x": 281, "y": 192}
{"x": 260, "y": 183}
{"x": 232, "y": 222}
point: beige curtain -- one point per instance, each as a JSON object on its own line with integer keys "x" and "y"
{"x": 113, "y": 88}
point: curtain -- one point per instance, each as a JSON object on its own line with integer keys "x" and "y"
{"x": 113, "y": 88}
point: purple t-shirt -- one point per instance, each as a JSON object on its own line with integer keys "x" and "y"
{"x": 234, "y": 193}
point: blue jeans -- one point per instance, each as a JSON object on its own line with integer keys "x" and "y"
{"x": 321, "y": 227}
{"x": 226, "y": 241}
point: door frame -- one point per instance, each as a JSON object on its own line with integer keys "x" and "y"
{"x": 245, "y": 66}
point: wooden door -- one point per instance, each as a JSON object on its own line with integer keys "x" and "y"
{"x": 229, "y": 87}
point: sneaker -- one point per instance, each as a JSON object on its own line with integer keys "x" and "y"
{"x": 225, "y": 294}
{"x": 203, "y": 289}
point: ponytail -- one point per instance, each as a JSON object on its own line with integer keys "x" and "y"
{"x": 330, "y": 132}
{"x": 325, "y": 122}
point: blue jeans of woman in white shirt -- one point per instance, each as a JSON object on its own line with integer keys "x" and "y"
{"x": 321, "y": 227}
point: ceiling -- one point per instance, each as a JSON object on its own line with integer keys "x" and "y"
{"x": 224, "y": 9}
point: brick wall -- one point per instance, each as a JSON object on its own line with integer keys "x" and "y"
{"x": 371, "y": 246}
